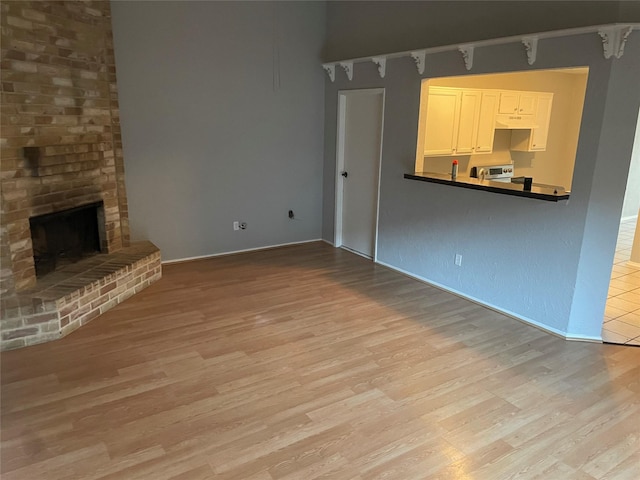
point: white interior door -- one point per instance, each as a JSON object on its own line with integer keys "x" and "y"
{"x": 359, "y": 147}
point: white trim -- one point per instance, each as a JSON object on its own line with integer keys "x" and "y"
{"x": 337, "y": 214}
{"x": 418, "y": 58}
{"x": 328, "y": 242}
{"x": 613, "y": 39}
{"x": 340, "y": 139}
{"x": 515, "y": 316}
{"x": 467, "y": 55}
{"x": 377, "y": 220}
{"x": 347, "y": 66}
{"x": 233, "y": 252}
{"x": 583, "y": 338}
{"x": 531, "y": 48}
{"x": 630, "y": 217}
{"x": 381, "y": 63}
{"x": 356, "y": 253}
{"x": 330, "y": 68}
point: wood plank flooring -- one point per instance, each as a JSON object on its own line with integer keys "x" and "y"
{"x": 309, "y": 362}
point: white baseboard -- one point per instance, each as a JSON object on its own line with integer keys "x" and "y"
{"x": 582, "y": 338}
{"x": 630, "y": 217}
{"x": 356, "y": 253}
{"x": 515, "y": 316}
{"x": 328, "y": 242}
{"x": 233, "y": 252}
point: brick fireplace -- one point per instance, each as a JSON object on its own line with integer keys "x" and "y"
{"x": 61, "y": 149}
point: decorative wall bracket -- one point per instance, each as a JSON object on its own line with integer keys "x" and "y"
{"x": 348, "y": 68}
{"x": 531, "y": 45}
{"x": 418, "y": 57}
{"x": 330, "y": 68}
{"x": 381, "y": 62}
{"x": 613, "y": 39}
{"x": 467, "y": 55}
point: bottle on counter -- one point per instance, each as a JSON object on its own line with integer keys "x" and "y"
{"x": 454, "y": 169}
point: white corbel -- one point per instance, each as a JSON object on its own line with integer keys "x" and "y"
{"x": 613, "y": 39}
{"x": 531, "y": 45}
{"x": 381, "y": 63}
{"x": 467, "y": 55}
{"x": 418, "y": 57}
{"x": 330, "y": 68}
{"x": 348, "y": 68}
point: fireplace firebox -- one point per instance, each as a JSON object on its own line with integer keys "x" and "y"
{"x": 64, "y": 237}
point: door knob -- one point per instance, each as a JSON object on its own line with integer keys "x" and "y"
{"x": 344, "y": 174}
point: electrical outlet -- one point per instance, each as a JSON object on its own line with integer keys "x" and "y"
{"x": 458, "y": 260}
{"x": 236, "y": 225}
{"x": 243, "y": 226}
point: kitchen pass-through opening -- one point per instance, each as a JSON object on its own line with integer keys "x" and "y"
{"x": 528, "y": 121}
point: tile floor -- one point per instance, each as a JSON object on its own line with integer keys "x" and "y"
{"x": 622, "y": 314}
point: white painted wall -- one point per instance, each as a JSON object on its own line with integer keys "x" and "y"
{"x": 222, "y": 119}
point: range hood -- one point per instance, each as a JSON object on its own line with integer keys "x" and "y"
{"x": 514, "y": 122}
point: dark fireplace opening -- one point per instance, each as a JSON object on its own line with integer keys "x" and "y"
{"x": 65, "y": 237}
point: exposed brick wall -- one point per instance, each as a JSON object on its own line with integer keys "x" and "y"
{"x": 59, "y": 96}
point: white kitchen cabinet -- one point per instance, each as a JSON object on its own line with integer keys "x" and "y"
{"x": 527, "y": 103}
{"x": 468, "y": 122}
{"x": 535, "y": 139}
{"x": 486, "y": 122}
{"x": 521, "y": 103}
{"x": 508, "y": 102}
{"x": 543, "y": 116}
{"x": 441, "y": 125}
{"x": 459, "y": 121}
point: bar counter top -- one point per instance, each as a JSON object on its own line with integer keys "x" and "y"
{"x": 538, "y": 191}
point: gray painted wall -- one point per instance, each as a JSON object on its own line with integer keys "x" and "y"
{"x": 548, "y": 263}
{"x": 222, "y": 119}
{"x": 357, "y": 29}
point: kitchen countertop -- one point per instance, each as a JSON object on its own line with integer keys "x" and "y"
{"x": 539, "y": 192}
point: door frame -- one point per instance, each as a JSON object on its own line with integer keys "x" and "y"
{"x": 340, "y": 141}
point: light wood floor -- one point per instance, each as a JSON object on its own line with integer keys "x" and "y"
{"x": 308, "y": 362}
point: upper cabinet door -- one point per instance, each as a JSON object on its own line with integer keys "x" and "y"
{"x": 521, "y": 103}
{"x": 509, "y": 102}
{"x": 441, "y": 126}
{"x": 543, "y": 116}
{"x": 468, "y": 123}
{"x": 527, "y": 103}
{"x": 535, "y": 139}
{"x": 486, "y": 122}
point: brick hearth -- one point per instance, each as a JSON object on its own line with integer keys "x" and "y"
{"x": 76, "y": 294}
